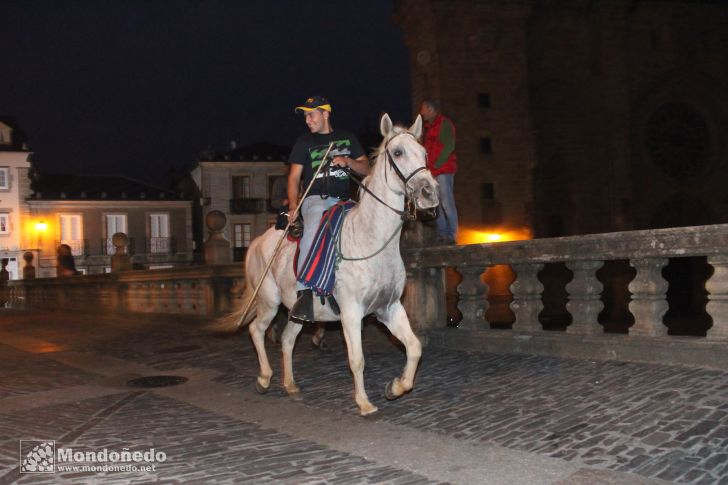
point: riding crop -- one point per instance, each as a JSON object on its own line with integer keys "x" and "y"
{"x": 285, "y": 231}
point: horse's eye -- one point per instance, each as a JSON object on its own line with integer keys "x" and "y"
{"x": 398, "y": 153}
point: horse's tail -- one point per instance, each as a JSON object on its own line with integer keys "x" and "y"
{"x": 233, "y": 321}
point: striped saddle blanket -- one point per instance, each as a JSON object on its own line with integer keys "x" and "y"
{"x": 319, "y": 266}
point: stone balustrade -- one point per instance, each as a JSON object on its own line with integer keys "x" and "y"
{"x": 646, "y": 251}
{"x": 211, "y": 290}
{"x": 193, "y": 290}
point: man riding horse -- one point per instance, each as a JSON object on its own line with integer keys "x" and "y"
{"x": 330, "y": 187}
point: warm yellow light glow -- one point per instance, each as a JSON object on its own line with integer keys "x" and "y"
{"x": 41, "y": 226}
{"x": 469, "y": 235}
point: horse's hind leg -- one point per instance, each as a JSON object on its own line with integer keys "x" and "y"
{"x": 398, "y": 323}
{"x": 288, "y": 340}
{"x": 265, "y": 313}
{"x": 351, "y": 324}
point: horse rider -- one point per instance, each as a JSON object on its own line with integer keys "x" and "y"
{"x": 330, "y": 186}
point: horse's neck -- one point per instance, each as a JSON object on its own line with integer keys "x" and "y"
{"x": 373, "y": 222}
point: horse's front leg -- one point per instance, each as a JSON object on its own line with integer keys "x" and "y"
{"x": 288, "y": 340}
{"x": 351, "y": 323}
{"x": 398, "y": 323}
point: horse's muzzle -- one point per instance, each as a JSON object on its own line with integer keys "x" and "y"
{"x": 426, "y": 193}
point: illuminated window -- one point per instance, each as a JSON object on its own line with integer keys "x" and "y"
{"x": 241, "y": 187}
{"x": 4, "y": 178}
{"x": 4, "y": 223}
{"x": 241, "y": 240}
{"x": 72, "y": 232}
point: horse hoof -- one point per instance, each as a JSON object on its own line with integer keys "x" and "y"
{"x": 295, "y": 396}
{"x": 368, "y": 411}
{"x": 322, "y": 346}
{"x": 259, "y": 388}
{"x": 389, "y": 394}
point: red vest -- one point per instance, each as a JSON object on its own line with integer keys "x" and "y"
{"x": 433, "y": 145}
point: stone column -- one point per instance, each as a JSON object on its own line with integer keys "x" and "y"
{"x": 28, "y": 269}
{"x": 584, "y": 297}
{"x": 717, "y": 286}
{"x": 217, "y": 248}
{"x": 120, "y": 261}
{"x": 424, "y": 299}
{"x": 526, "y": 291}
{"x": 473, "y": 294}
{"x": 648, "y": 303}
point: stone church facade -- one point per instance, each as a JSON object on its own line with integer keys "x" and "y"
{"x": 579, "y": 116}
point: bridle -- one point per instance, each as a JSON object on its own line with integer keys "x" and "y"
{"x": 410, "y": 211}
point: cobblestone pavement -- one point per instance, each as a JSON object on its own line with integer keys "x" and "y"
{"x": 500, "y": 418}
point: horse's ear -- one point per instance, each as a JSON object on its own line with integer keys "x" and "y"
{"x": 416, "y": 128}
{"x": 385, "y": 125}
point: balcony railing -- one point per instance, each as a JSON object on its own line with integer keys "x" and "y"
{"x": 108, "y": 249}
{"x": 79, "y": 247}
{"x": 161, "y": 245}
{"x": 249, "y": 206}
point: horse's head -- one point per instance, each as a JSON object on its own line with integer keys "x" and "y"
{"x": 408, "y": 159}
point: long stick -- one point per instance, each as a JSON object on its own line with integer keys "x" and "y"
{"x": 285, "y": 231}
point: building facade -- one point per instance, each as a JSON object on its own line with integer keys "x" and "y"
{"x": 578, "y": 116}
{"x": 14, "y": 189}
{"x": 84, "y": 212}
{"x": 247, "y": 184}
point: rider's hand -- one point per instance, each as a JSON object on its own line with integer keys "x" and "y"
{"x": 340, "y": 161}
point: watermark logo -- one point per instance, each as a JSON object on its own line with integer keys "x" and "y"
{"x": 42, "y": 457}
{"x": 37, "y": 456}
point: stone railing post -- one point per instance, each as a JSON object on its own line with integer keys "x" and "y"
{"x": 120, "y": 261}
{"x": 717, "y": 307}
{"x": 217, "y": 248}
{"x": 584, "y": 297}
{"x": 526, "y": 291}
{"x": 28, "y": 269}
{"x": 649, "y": 303}
{"x": 473, "y": 293}
{"x": 424, "y": 299}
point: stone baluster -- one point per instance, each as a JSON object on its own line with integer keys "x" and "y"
{"x": 473, "y": 295}
{"x": 217, "y": 248}
{"x": 648, "y": 303}
{"x": 717, "y": 286}
{"x": 120, "y": 261}
{"x": 526, "y": 291}
{"x": 28, "y": 269}
{"x": 584, "y": 297}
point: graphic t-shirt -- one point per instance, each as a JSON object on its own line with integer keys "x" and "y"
{"x": 309, "y": 151}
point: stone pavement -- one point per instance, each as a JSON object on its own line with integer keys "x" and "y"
{"x": 472, "y": 417}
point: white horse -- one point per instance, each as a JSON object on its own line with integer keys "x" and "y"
{"x": 370, "y": 278}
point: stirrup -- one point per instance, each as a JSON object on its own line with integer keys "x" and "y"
{"x": 302, "y": 310}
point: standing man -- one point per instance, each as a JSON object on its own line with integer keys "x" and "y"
{"x": 439, "y": 141}
{"x": 330, "y": 187}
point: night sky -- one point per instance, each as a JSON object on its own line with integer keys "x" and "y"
{"x": 135, "y": 87}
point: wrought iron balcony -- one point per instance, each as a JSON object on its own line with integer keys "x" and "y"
{"x": 108, "y": 249}
{"x": 79, "y": 247}
{"x": 161, "y": 245}
{"x": 249, "y": 206}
